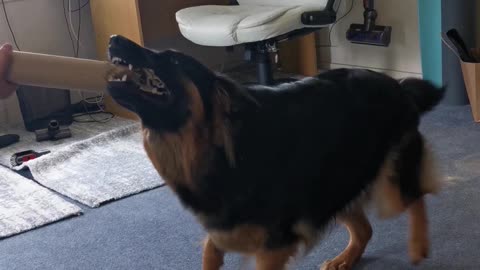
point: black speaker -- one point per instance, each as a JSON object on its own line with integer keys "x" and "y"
{"x": 39, "y": 106}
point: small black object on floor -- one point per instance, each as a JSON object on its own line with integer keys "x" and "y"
{"x": 53, "y": 132}
{"x": 8, "y": 139}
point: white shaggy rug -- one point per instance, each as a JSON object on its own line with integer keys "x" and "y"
{"x": 25, "y": 205}
{"x": 101, "y": 169}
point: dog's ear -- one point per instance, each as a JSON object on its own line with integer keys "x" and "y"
{"x": 238, "y": 97}
{"x": 191, "y": 67}
{"x": 222, "y": 128}
{"x": 230, "y": 100}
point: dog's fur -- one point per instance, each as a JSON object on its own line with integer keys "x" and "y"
{"x": 266, "y": 169}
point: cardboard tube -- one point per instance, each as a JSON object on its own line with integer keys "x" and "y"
{"x": 59, "y": 72}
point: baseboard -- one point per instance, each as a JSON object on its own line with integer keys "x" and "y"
{"x": 394, "y": 73}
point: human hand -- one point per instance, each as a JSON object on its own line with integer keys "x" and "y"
{"x": 6, "y": 88}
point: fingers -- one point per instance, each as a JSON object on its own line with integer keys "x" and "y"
{"x": 5, "y": 59}
{"x": 6, "y": 88}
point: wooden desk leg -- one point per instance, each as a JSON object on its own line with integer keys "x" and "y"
{"x": 109, "y": 18}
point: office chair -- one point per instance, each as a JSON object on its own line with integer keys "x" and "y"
{"x": 259, "y": 25}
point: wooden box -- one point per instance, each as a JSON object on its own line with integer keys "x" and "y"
{"x": 471, "y": 76}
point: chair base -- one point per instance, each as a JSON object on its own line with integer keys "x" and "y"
{"x": 264, "y": 69}
{"x": 259, "y": 53}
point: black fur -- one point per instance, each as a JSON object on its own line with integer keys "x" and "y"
{"x": 310, "y": 149}
{"x": 304, "y": 151}
{"x": 425, "y": 94}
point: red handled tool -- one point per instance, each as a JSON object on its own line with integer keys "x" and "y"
{"x": 19, "y": 158}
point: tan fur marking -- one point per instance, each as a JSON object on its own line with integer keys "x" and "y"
{"x": 429, "y": 177}
{"x": 165, "y": 154}
{"x": 212, "y": 256}
{"x": 360, "y": 232}
{"x": 182, "y": 156}
{"x": 247, "y": 239}
{"x": 418, "y": 239}
{"x": 308, "y": 234}
{"x": 178, "y": 157}
{"x": 386, "y": 195}
{"x": 274, "y": 259}
{"x": 196, "y": 103}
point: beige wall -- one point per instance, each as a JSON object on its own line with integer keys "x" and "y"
{"x": 401, "y": 59}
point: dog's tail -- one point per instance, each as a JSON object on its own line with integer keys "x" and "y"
{"x": 425, "y": 94}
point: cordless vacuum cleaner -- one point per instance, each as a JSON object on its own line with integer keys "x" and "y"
{"x": 369, "y": 33}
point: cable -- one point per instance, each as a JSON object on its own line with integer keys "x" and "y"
{"x": 109, "y": 117}
{"x": 76, "y": 51}
{"x": 337, "y": 21}
{"x": 81, "y": 7}
{"x": 9, "y": 25}
{"x": 68, "y": 28}
{"x": 71, "y": 25}
{"x": 78, "y": 29}
{"x": 72, "y": 28}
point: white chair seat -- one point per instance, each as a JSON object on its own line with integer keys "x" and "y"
{"x": 232, "y": 25}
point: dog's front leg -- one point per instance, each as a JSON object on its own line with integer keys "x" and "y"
{"x": 360, "y": 232}
{"x": 212, "y": 256}
{"x": 418, "y": 242}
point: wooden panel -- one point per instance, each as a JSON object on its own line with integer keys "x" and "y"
{"x": 158, "y": 17}
{"x": 115, "y": 17}
{"x": 471, "y": 76}
{"x": 299, "y": 56}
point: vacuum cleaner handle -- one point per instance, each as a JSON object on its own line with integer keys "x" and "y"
{"x": 369, "y": 15}
{"x": 51, "y": 71}
{"x": 368, "y": 4}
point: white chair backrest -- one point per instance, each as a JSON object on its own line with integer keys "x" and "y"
{"x": 319, "y": 3}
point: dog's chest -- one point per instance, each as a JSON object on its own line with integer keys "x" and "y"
{"x": 165, "y": 153}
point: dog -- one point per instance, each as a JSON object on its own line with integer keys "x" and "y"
{"x": 266, "y": 169}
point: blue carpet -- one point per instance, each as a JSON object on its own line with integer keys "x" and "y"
{"x": 152, "y": 231}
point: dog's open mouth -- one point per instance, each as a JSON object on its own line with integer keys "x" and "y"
{"x": 144, "y": 78}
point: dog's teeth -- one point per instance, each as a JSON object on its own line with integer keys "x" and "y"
{"x": 124, "y": 78}
{"x": 130, "y": 67}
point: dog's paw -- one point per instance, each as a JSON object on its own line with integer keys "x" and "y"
{"x": 336, "y": 264}
{"x": 418, "y": 250}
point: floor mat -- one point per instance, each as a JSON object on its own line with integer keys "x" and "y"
{"x": 25, "y": 205}
{"x": 107, "y": 167}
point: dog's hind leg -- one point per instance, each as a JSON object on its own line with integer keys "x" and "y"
{"x": 360, "y": 232}
{"x": 212, "y": 256}
{"x": 418, "y": 236}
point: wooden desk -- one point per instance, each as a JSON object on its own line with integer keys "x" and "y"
{"x": 146, "y": 20}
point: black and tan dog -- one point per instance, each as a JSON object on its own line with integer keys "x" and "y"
{"x": 266, "y": 169}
